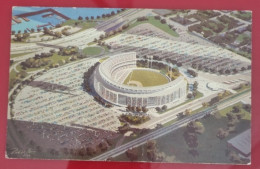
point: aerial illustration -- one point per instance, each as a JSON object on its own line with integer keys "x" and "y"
{"x": 142, "y": 85}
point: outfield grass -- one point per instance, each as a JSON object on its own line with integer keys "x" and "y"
{"x": 92, "y": 50}
{"x": 19, "y": 54}
{"x": 146, "y": 77}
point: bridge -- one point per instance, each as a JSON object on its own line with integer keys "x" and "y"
{"x": 49, "y": 45}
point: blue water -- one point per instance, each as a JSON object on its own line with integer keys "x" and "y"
{"x": 72, "y": 13}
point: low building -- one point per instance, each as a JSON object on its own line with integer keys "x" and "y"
{"x": 241, "y": 143}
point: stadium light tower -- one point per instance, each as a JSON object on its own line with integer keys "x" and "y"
{"x": 150, "y": 59}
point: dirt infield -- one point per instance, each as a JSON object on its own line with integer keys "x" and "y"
{"x": 135, "y": 83}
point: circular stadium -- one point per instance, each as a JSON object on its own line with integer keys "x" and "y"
{"x": 118, "y": 80}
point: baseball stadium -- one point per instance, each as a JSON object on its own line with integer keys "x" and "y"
{"x": 119, "y": 81}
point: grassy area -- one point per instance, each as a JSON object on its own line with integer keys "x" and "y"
{"x": 83, "y": 24}
{"x": 92, "y": 50}
{"x": 146, "y": 78}
{"x": 151, "y": 20}
{"x": 12, "y": 75}
{"x": 210, "y": 148}
{"x": 247, "y": 16}
{"x": 199, "y": 95}
{"x": 156, "y": 23}
{"x": 242, "y": 36}
{"x": 103, "y": 59}
{"x": 55, "y": 59}
{"x": 224, "y": 111}
{"x": 170, "y": 122}
{"x": 19, "y": 54}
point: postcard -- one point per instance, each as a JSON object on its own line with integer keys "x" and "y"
{"x": 144, "y": 85}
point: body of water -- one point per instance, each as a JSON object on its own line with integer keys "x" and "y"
{"x": 71, "y": 12}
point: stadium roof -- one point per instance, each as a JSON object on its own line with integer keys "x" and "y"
{"x": 242, "y": 142}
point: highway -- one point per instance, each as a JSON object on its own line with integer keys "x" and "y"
{"x": 153, "y": 135}
{"x": 165, "y": 130}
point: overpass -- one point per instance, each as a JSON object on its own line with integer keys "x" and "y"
{"x": 49, "y": 45}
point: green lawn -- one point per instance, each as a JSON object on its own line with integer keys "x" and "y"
{"x": 52, "y": 60}
{"x": 83, "y": 24}
{"x": 241, "y": 37}
{"x": 157, "y": 24}
{"x": 199, "y": 95}
{"x": 92, "y": 50}
{"x": 146, "y": 78}
{"x": 151, "y": 20}
{"x": 19, "y": 54}
{"x": 224, "y": 111}
{"x": 242, "y": 15}
{"x": 103, "y": 59}
{"x": 210, "y": 148}
{"x": 12, "y": 75}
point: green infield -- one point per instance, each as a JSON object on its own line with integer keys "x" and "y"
{"x": 145, "y": 78}
{"x": 92, "y": 50}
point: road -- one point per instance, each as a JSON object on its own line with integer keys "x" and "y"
{"x": 165, "y": 130}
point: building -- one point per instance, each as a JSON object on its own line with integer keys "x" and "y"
{"x": 241, "y": 143}
{"x": 108, "y": 86}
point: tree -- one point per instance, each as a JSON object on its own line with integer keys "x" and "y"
{"x": 80, "y": 18}
{"x": 222, "y": 133}
{"x": 144, "y": 109}
{"x": 195, "y": 127}
{"x": 191, "y": 139}
{"x": 151, "y": 150}
{"x": 158, "y": 109}
{"x": 132, "y": 154}
{"x": 157, "y": 17}
{"x": 164, "y": 107}
{"x": 247, "y": 107}
{"x": 138, "y": 109}
{"x": 163, "y": 21}
{"x": 179, "y": 64}
{"x": 194, "y": 93}
{"x": 91, "y": 151}
{"x": 187, "y": 112}
{"x": 189, "y": 95}
{"x": 205, "y": 104}
{"x": 195, "y": 85}
{"x": 82, "y": 152}
{"x": 92, "y": 17}
{"x": 235, "y": 109}
{"x": 18, "y": 37}
{"x": 101, "y": 37}
{"x": 86, "y": 18}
